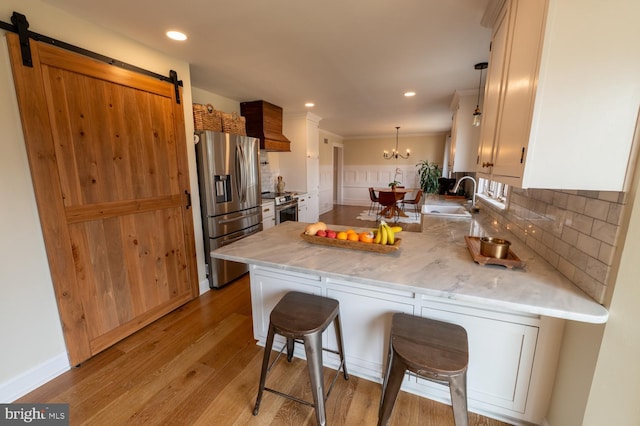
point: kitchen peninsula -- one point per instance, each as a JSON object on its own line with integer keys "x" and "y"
{"x": 514, "y": 317}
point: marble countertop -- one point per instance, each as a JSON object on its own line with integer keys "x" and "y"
{"x": 435, "y": 262}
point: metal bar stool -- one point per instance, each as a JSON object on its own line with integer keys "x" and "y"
{"x": 302, "y": 318}
{"x": 434, "y": 350}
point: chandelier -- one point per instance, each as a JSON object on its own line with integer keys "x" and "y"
{"x": 395, "y": 154}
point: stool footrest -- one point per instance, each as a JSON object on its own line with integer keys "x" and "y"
{"x": 301, "y": 342}
{"x": 301, "y": 401}
{"x": 291, "y": 397}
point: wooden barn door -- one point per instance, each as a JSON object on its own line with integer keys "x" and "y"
{"x": 108, "y": 160}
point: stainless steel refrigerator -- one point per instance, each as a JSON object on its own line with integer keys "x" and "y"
{"x": 229, "y": 181}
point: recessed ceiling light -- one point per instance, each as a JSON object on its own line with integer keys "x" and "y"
{"x": 409, "y": 94}
{"x": 176, "y": 35}
{"x": 309, "y": 104}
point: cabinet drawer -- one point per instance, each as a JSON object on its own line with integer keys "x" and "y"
{"x": 268, "y": 210}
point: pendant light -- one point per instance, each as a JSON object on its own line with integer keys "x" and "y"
{"x": 395, "y": 154}
{"x": 477, "y": 114}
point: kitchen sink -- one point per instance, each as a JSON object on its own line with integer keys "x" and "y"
{"x": 445, "y": 211}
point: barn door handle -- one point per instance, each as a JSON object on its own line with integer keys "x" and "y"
{"x": 188, "y": 194}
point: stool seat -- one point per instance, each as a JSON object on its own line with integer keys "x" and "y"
{"x": 301, "y": 313}
{"x": 429, "y": 346}
{"x": 304, "y": 316}
{"x": 434, "y": 350}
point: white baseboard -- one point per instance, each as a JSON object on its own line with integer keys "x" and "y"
{"x": 204, "y": 286}
{"x": 34, "y": 377}
{"x": 356, "y": 202}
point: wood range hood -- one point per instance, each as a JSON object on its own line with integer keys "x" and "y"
{"x": 264, "y": 121}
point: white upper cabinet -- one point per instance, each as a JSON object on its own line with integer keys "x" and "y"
{"x": 464, "y": 136}
{"x": 562, "y": 94}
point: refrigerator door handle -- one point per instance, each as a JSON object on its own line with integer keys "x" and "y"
{"x": 241, "y": 170}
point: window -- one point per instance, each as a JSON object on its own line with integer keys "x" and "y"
{"x": 493, "y": 192}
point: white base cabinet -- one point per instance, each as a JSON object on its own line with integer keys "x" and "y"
{"x": 268, "y": 214}
{"x": 512, "y": 355}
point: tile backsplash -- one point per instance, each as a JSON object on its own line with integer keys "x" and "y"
{"x": 576, "y": 231}
{"x": 268, "y": 175}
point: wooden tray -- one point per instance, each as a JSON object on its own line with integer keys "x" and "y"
{"x": 352, "y": 245}
{"x": 473, "y": 244}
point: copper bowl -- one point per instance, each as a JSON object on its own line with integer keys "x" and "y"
{"x": 494, "y": 247}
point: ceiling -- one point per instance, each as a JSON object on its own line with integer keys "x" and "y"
{"x": 353, "y": 59}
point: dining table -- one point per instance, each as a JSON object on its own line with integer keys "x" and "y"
{"x": 389, "y": 198}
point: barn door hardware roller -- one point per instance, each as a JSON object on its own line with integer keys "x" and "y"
{"x": 20, "y": 26}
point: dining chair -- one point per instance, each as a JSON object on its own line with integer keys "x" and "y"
{"x": 388, "y": 199}
{"x": 415, "y": 202}
{"x": 375, "y": 204}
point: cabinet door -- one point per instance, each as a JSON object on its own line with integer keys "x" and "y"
{"x": 366, "y": 324}
{"x": 526, "y": 20}
{"x": 313, "y": 207}
{"x": 303, "y": 209}
{"x": 500, "y": 358}
{"x": 453, "y": 139}
{"x": 268, "y": 287}
{"x": 493, "y": 92}
{"x": 268, "y": 215}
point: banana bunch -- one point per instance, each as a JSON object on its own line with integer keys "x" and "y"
{"x": 385, "y": 234}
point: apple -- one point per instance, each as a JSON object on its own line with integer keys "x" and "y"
{"x": 321, "y": 233}
{"x": 331, "y": 234}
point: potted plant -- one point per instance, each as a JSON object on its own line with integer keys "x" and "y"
{"x": 429, "y": 173}
{"x": 394, "y": 184}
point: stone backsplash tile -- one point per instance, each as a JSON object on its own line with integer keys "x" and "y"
{"x": 575, "y": 231}
{"x": 268, "y": 175}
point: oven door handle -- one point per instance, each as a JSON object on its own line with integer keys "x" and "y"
{"x": 287, "y": 205}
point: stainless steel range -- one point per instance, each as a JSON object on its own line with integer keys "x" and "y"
{"x": 285, "y": 204}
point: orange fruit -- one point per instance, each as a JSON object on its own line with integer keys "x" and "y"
{"x": 341, "y": 235}
{"x": 351, "y": 231}
{"x": 353, "y": 237}
{"x": 366, "y": 237}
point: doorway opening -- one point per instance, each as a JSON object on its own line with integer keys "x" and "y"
{"x": 337, "y": 174}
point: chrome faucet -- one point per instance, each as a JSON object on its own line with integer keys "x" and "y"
{"x": 475, "y": 188}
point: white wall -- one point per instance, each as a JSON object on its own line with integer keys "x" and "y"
{"x": 220, "y": 103}
{"x": 33, "y": 348}
{"x": 615, "y": 392}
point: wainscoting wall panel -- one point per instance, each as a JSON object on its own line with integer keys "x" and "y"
{"x": 358, "y": 179}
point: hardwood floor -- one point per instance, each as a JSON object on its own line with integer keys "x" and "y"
{"x": 199, "y": 365}
{"x": 346, "y": 215}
